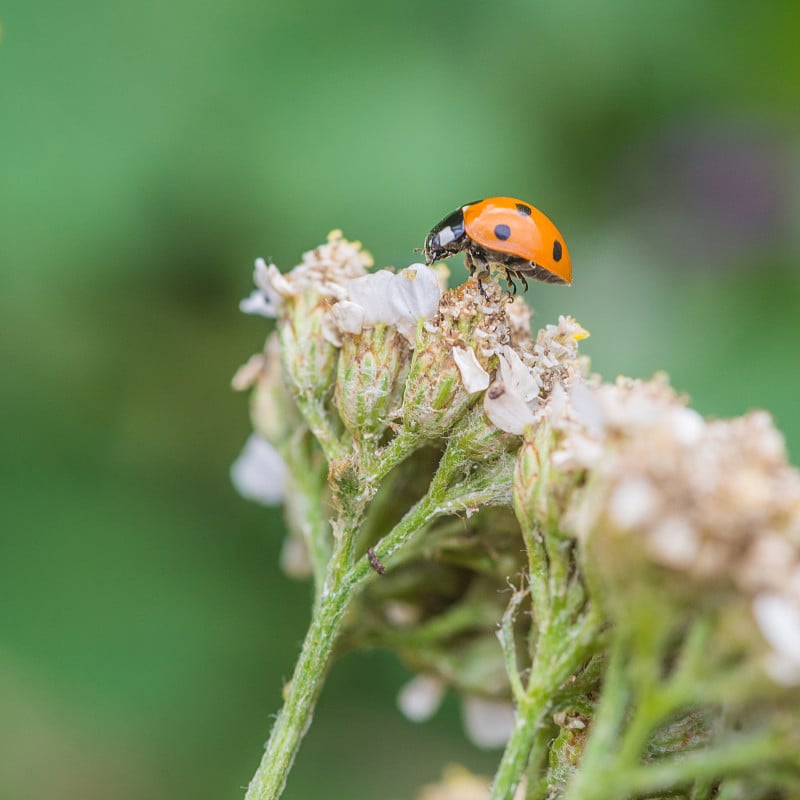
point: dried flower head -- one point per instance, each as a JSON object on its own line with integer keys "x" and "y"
{"x": 430, "y": 451}
{"x": 325, "y": 271}
{"x": 272, "y": 410}
{"x": 713, "y": 505}
{"x": 527, "y": 375}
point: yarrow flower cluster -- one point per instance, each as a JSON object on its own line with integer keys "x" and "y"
{"x": 324, "y": 272}
{"x": 609, "y": 581}
{"x": 713, "y": 504}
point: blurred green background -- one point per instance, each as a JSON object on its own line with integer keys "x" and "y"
{"x": 151, "y": 151}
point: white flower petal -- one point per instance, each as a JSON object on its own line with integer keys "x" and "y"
{"x": 474, "y": 376}
{"x": 295, "y": 558}
{"x": 272, "y": 288}
{"x": 686, "y": 425}
{"x": 372, "y": 292}
{"x": 259, "y": 473}
{"x": 330, "y": 330}
{"x": 332, "y": 289}
{"x": 783, "y": 671}
{"x": 557, "y": 402}
{"x": 261, "y": 275}
{"x": 580, "y": 452}
{"x": 586, "y": 407}
{"x": 778, "y": 620}
{"x": 348, "y": 316}
{"x": 248, "y": 373}
{"x": 421, "y": 697}
{"x": 256, "y": 303}
{"x": 416, "y": 296}
{"x": 506, "y": 409}
{"x": 271, "y": 280}
{"x": 397, "y": 299}
{"x": 488, "y": 723}
{"x": 400, "y": 614}
{"x": 514, "y": 373}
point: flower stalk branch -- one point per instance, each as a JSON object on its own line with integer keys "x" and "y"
{"x": 302, "y": 692}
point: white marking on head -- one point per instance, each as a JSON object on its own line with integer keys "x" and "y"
{"x": 446, "y": 236}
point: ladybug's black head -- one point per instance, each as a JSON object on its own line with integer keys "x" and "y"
{"x": 446, "y": 239}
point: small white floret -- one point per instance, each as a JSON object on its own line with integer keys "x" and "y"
{"x": 416, "y": 295}
{"x": 400, "y": 299}
{"x": 515, "y": 374}
{"x": 473, "y": 375}
{"x": 373, "y": 292}
{"x": 295, "y": 559}
{"x": 259, "y": 473}
{"x": 256, "y": 303}
{"x": 272, "y": 281}
{"x": 348, "y": 316}
{"x": 633, "y": 503}
{"x": 421, "y": 697}
{"x": 488, "y": 723}
{"x": 506, "y": 409}
{"x": 586, "y": 407}
{"x": 778, "y": 620}
{"x": 247, "y": 375}
{"x": 686, "y": 425}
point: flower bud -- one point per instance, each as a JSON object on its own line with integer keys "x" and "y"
{"x": 526, "y": 479}
{"x": 478, "y": 439}
{"x": 272, "y": 410}
{"x": 309, "y": 359}
{"x": 369, "y": 381}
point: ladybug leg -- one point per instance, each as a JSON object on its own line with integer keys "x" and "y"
{"x": 478, "y": 267}
{"x": 468, "y": 262}
{"x": 511, "y": 284}
{"x": 524, "y": 282}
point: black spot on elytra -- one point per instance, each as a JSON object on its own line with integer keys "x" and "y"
{"x": 502, "y": 232}
{"x": 524, "y": 210}
{"x": 557, "y": 250}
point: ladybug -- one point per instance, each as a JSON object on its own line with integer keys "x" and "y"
{"x": 507, "y": 234}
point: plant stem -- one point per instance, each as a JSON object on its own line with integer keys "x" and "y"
{"x": 313, "y": 411}
{"x": 558, "y": 656}
{"x": 342, "y": 582}
{"x": 302, "y": 692}
{"x": 304, "y": 508}
{"x": 737, "y": 758}
{"x": 530, "y": 717}
{"x": 538, "y": 785}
